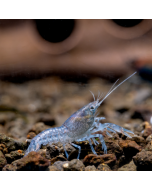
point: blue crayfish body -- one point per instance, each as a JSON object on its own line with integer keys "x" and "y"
{"x": 82, "y": 125}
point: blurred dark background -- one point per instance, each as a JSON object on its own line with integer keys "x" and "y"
{"x": 74, "y": 48}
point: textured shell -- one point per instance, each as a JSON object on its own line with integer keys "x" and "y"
{"x": 79, "y": 122}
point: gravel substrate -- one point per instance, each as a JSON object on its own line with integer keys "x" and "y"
{"x": 27, "y": 109}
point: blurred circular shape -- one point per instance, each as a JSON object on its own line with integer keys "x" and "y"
{"x": 54, "y": 30}
{"x": 127, "y": 22}
{"x": 64, "y": 35}
{"x": 130, "y": 30}
{"x": 9, "y": 23}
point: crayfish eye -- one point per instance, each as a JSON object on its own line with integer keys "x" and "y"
{"x": 92, "y": 108}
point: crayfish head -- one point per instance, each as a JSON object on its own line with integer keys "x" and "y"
{"x": 92, "y": 107}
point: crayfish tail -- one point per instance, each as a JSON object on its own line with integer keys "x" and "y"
{"x": 32, "y": 147}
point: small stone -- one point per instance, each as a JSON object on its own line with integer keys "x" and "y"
{"x": 138, "y": 128}
{"x": 20, "y": 151}
{"x": 146, "y": 132}
{"x": 113, "y": 147}
{"x": 59, "y": 165}
{"x": 3, "y": 148}
{"x": 69, "y": 148}
{"x": 146, "y": 125}
{"x": 139, "y": 140}
{"x": 93, "y": 159}
{"x": 103, "y": 167}
{"x": 9, "y": 167}
{"x": 143, "y": 160}
{"x": 14, "y": 155}
{"x": 74, "y": 165}
{"x": 3, "y": 161}
{"x": 129, "y": 144}
{"x": 90, "y": 168}
{"x": 128, "y": 167}
{"x": 32, "y": 162}
{"x": 57, "y": 148}
{"x": 149, "y": 138}
{"x": 12, "y": 144}
{"x": 42, "y": 152}
{"x": 149, "y": 146}
{"x": 66, "y": 165}
{"x": 58, "y": 158}
{"x": 52, "y": 168}
{"x": 52, "y": 151}
{"x": 130, "y": 148}
{"x": 31, "y": 135}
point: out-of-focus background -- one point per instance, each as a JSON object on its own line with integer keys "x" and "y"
{"x": 48, "y": 67}
{"x": 47, "y": 70}
{"x": 99, "y": 47}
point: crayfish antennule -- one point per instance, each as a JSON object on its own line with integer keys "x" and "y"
{"x": 92, "y": 95}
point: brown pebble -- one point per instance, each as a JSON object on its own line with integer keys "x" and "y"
{"x": 20, "y": 151}
{"x": 32, "y": 162}
{"x": 3, "y": 148}
{"x": 52, "y": 168}
{"x": 143, "y": 160}
{"x": 3, "y": 161}
{"x": 31, "y": 135}
{"x": 149, "y": 138}
{"x": 103, "y": 167}
{"x": 128, "y": 167}
{"x": 93, "y": 159}
{"x": 129, "y": 144}
{"x": 90, "y": 168}
{"x": 58, "y": 158}
{"x": 74, "y": 165}
{"x": 146, "y": 132}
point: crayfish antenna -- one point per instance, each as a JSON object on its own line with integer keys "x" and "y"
{"x": 109, "y": 90}
{"x": 102, "y": 94}
{"x": 151, "y": 120}
{"x": 115, "y": 88}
